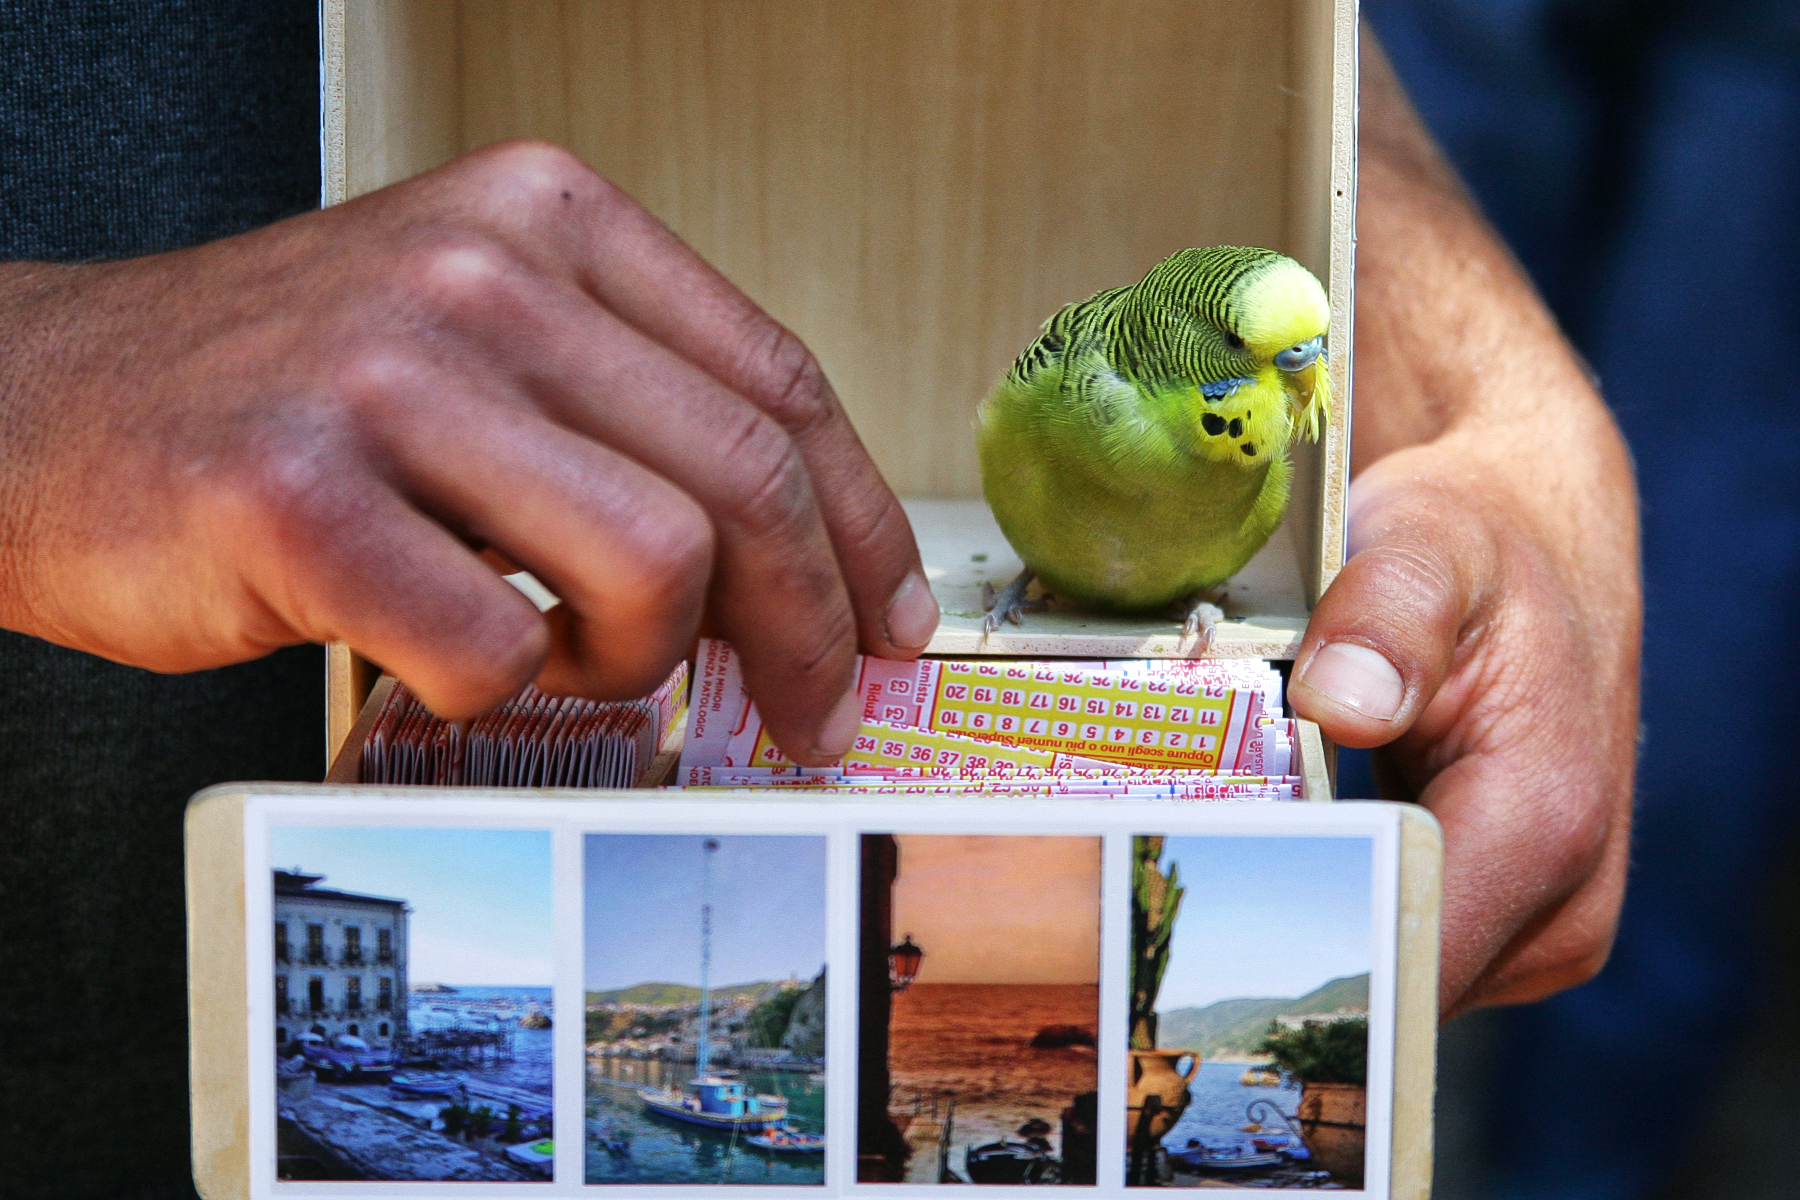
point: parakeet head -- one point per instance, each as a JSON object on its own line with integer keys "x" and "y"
{"x": 1222, "y": 316}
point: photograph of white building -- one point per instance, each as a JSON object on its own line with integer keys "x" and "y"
{"x": 413, "y": 1013}
{"x": 340, "y": 963}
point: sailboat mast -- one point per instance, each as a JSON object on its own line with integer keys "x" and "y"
{"x": 703, "y": 1056}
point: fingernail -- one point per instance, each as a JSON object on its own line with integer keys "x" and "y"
{"x": 912, "y": 615}
{"x": 1358, "y": 678}
{"x": 839, "y": 730}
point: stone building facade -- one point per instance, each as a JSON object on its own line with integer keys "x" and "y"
{"x": 340, "y": 963}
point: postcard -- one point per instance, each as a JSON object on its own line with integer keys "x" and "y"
{"x": 991, "y": 1016}
{"x": 705, "y": 1009}
{"x": 412, "y": 1003}
{"x": 1250, "y": 961}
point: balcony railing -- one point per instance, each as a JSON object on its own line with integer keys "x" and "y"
{"x": 301, "y": 1011}
{"x": 353, "y": 958}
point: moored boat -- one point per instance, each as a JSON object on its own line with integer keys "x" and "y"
{"x": 712, "y": 1100}
{"x": 782, "y": 1139}
{"x": 715, "y": 1102}
{"x": 1196, "y": 1157}
{"x": 538, "y": 1156}
{"x": 426, "y": 1084}
{"x": 1007, "y": 1161}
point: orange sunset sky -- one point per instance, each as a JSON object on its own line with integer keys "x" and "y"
{"x": 1001, "y": 909}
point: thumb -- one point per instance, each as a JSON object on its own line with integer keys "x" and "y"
{"x": 1384, "y": 635}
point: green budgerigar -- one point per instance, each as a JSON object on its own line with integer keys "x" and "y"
{"x": 1136, "y": 454}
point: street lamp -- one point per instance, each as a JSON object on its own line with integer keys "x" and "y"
{"x": 903, "y": 964}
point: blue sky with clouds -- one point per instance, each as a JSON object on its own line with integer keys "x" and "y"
{"x": 643, "y": 909}
{"x": 480, "y": 898}
{"x": 1266, "y": 916}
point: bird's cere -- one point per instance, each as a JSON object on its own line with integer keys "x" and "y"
{"x": 1300, "y": 356}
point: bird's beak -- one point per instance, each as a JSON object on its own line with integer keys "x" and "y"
{"x": 1301, "y": 356}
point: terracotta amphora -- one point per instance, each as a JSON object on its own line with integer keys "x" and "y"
{"x": 1154, "y": 1074}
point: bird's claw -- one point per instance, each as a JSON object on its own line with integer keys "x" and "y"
{"x": 1008, "y": 604}
{"x": 1202, "y": 621}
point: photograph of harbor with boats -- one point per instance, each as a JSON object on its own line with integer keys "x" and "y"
{"x": 978, "y": 1008}
{"x": 1249, "y": 1011}
{"x": 412, "y": 1004}
{"x": 704, "y": 1022}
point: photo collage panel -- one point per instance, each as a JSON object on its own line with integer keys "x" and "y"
{"x": 871, "y": 1006}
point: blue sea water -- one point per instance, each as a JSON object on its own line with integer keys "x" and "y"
{"x": 1216, "y": 1109}
{"x": 480, "y": 1007}
{"x": 659, "y": 1150}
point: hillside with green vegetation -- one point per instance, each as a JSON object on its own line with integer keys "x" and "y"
{"x": 671, "y": 995}
{"x": 1235, "y": 1028}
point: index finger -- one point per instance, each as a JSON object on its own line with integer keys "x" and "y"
{"x": 639, "y": 269}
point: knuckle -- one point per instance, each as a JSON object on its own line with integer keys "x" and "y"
{"x": 873, "y": 523}
{"x": 773, "y": 493}
{"x": 373, "y": 376}
{"x": 460, "y": 273}
{"x": 542, "y": 176}
{"x": 786, "y": 379}
{"x": 672, "y": 558}
{"x": 834, "y": 646}
{"x": 298, "y": 495}
{"x": 1412, "y": 583}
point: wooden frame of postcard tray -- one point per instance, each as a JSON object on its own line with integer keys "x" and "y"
{"x": 220, "y": 848}
{"x": 912, "y": 189}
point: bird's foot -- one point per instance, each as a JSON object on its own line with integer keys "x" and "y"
{"x": 1201, "y": 618}
{"x": 1009, "y": 603}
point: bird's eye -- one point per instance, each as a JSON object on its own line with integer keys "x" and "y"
{"x": 1233, "y": 340}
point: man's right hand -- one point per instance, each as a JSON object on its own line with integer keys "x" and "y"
{"x": 314, "y": 431}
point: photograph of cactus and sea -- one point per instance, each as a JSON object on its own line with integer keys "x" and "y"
{"x": 1249, "y": 1011}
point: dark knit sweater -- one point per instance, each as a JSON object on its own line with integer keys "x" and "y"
{"x": 127, "y": 127}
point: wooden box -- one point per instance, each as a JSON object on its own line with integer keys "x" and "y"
{"x": 913, "y": 186}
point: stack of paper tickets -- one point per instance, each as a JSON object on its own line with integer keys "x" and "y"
{"x": 1171, "y": 728}
{"x": 532, "y": 740}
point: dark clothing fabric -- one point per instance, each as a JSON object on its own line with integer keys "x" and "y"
{"x": 127, "y": 127}
{"x": 1643, "y": 158}
{"x": 133, "y": 126}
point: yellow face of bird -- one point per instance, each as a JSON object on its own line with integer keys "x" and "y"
{"x": 1282, "y": 315}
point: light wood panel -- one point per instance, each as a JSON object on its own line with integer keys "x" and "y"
{"x": 218, "y": 1020}
{"x": 1416, "y": 1002}
{"x": 962, "y": 548}
{"x": 915, "y": 187}
{"x": 394, "y": 82}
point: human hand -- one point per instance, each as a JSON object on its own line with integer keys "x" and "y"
{"x": 309, "y": 432}
{"x": 1485, "y": 630}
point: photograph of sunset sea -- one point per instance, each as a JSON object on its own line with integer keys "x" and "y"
{"x": 992, "y": 1038}
{"x": 973, "y": 1040}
